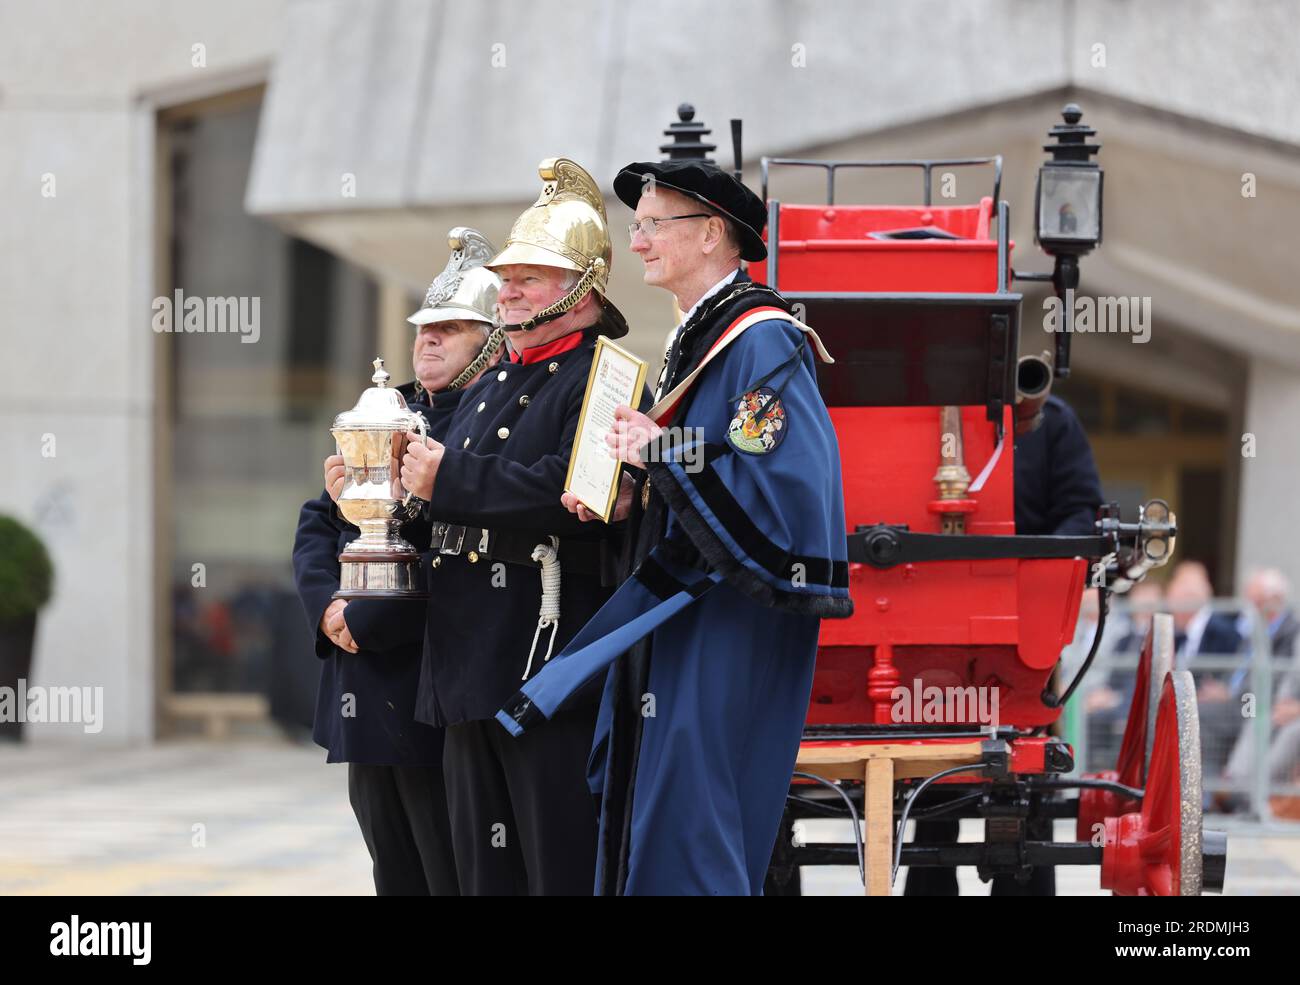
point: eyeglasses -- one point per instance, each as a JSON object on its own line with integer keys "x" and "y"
{"x": 650, "y": 225}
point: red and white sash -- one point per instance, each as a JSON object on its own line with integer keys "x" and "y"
{"x": 661, "y": 413}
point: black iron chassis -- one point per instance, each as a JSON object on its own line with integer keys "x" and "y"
{"x": 1009, "y": 803}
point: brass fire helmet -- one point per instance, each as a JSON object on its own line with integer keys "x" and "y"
{"x": 567, "y": 228}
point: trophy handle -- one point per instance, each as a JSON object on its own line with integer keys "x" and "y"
{"x": 422, "y": 427}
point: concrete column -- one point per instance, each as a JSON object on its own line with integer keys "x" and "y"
{"x": 1268, "y": 533}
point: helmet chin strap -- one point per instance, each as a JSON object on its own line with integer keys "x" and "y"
{"x": 479, "y": 363}
{"x": 564, "y": 304}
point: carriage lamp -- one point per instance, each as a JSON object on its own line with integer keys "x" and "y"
{"x": 1067, "y": 212}
{"x": 1067, "y": 217}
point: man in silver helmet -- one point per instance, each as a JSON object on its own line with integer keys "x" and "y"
{"x": 370, "y": 648}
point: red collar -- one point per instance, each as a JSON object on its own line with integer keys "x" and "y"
{"x": 537, "y": 353}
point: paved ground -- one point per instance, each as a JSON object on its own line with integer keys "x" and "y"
{"x": 273, "y": 818}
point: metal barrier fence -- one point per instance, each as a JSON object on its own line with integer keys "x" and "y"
{"x": 1250, "y": 764}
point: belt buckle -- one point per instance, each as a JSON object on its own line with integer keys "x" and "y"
{"x": 460, "y": 540}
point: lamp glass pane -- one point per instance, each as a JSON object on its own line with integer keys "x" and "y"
{"x": 1069, "y": 205}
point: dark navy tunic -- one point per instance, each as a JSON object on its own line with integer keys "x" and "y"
{"x": 1057, "y": 488}
{"x": 507, "y": 455}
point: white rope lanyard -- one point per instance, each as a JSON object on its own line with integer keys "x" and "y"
{"x": 549, "y": 615}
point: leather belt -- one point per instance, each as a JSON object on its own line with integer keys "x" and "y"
{"x": 475, "y": 544}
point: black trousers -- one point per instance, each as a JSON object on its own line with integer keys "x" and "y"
{"x": 522, "y": 818}
{"x": 930, "y": 881}
{"x": 402, "y": 811}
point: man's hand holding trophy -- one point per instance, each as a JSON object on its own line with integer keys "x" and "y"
{"x": 420, "y": 465}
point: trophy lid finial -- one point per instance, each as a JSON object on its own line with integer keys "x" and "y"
{"x": 380, "y": 407}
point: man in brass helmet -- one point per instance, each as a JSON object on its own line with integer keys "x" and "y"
{"x": 369, "y": 648}
{"x": 514, "y": 574}
{"x": 738, "y": 553}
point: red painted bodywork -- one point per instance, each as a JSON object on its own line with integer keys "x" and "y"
{"x": 989, "y": 624}
{"x": 827, "y": 248}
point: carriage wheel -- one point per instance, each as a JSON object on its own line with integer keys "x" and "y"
{"x": 1154, "y": 664}
{"x": 1157, "y": 851}
{"x": 1162, "y": 662}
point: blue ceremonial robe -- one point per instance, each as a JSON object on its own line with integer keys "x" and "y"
{"x": 749, "y": 556}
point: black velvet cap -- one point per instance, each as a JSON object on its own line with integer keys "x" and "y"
{"x": 708, "y": 184}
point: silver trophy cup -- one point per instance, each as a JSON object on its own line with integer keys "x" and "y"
{"x": 372, "y": 440}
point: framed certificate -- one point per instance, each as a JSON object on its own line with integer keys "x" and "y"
{"x": 616, "y": 378}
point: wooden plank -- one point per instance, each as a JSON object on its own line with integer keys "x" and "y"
{"x": 888, "y": 750}
{"x": 845, "y": 762}
{"x": 878, "y": 805}
{"x": 878, "y": 765}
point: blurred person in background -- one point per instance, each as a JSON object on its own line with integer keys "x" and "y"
{"x": 1117, "y": 689}
{"x": 1085, "y": 632}
{"x": 1269, "y": 591}
{"x": 1106, "y": 705}
{"x": 371, "y": 648}
{"x": 1199, "y": 631}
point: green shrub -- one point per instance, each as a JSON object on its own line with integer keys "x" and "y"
{"x": 26, "y": 575}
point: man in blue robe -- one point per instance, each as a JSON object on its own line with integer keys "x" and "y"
{"x": 737, "y": 529}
